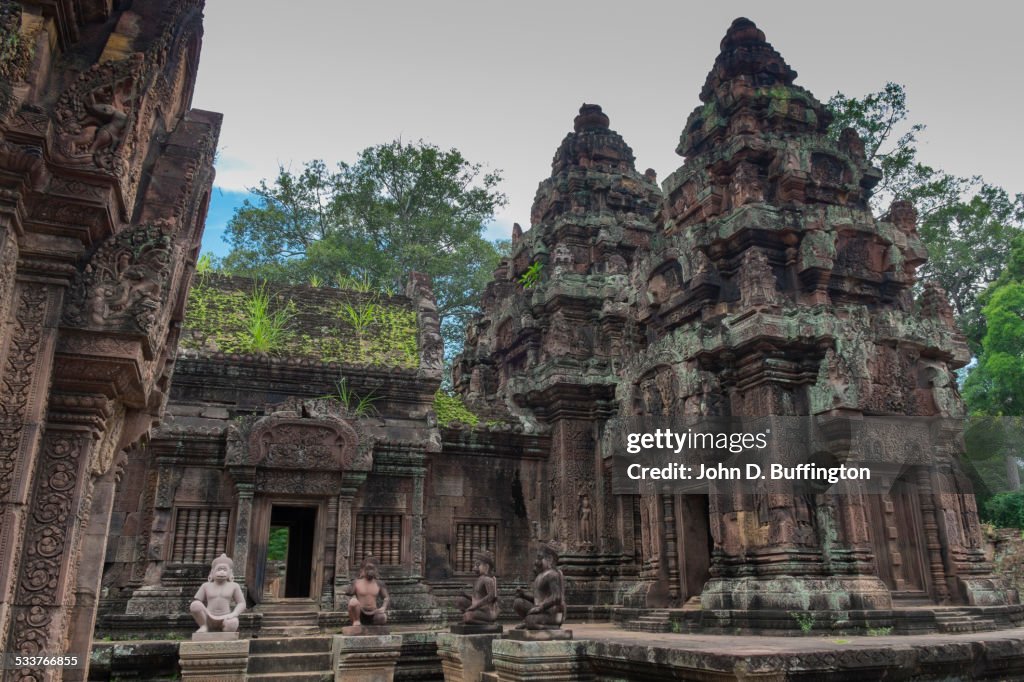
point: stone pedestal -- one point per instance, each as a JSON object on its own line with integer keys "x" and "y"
{"x": 365, "y": 659}
{"x": 464, "y": 658}
{"x": 214, "y": 661}
{"x": 531, "y": 661}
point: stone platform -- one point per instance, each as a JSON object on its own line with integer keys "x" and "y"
{"x": 616, "y": 654}
{"x": 606, "y": 652}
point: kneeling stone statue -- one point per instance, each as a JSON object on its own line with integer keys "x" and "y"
{"x": 211, "y": 607}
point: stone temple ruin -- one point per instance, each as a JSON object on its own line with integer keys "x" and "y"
{"x": 754, "y": 281}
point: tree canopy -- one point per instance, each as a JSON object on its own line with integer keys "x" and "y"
{"x": 399, "y": 207}
{"x": 966, "y": 223}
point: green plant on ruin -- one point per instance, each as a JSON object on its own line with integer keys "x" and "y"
{"x": 359, "y": 405}
{"x": 205, "y": 265}
{"x": 316, "y": 281}
{"x": 360, "y": 315}
{"x": 805, "y": 619}
{"x": 265, "y": 331}
{"x": 531, "y": 277}
{"x": 450, "y": 408}
{"x": 880, "y": 632}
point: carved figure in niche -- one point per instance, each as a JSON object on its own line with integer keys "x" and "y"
{"x": 560, "y": 335}
{"x": 563, "y": 259}
{"x": 586, "y": 521}
{"x": 481, "y": 608}
{"x": 211, "y": 606}
{"x": 363, "y": 607}
{"x": 666, "y": 383}
{"x": 104, "y": 121}
{"x": 757, "y": 281}
{"x": 544, "y": 608}
{"x": 617, "y": 265}
{"x": 746, "y": 186}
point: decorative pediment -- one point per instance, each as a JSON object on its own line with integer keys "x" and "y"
{"x": 124, "y": 287}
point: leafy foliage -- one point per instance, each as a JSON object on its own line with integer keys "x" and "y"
{"x": 996, "y": 385}
{"x": 450, "y": 408}
{"x": 399, "y": 207}
{"x": 1005, "y": 510}
{"x": 531, "y": 276}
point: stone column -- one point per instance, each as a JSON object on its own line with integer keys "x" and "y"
{"x": 416, "y": 541}
{"x": 243, "y": 520}
{"x": 73, "y": 447}
{"x": 27, "y": 340}
{"x": 90, "y": 573}
{"x": 343, "y": 551}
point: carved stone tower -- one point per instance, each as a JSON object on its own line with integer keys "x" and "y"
{"x": 769, "y": 289}
{"x": 553, "y": 330}
{"x": 105, "y": 173}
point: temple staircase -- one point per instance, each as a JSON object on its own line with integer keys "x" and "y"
{"x": 956, "y": 621}
{"x": 291, "y": 618}
{"x": 290, "y": 659}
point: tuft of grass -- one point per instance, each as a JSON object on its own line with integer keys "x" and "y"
{"x": 266, "y": 331}
{"x": 359, "y": 405}
{"x": 879, "y": 632}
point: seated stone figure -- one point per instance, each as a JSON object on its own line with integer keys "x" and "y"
{"x": 481, "y": 608}
{"x": 362, "y": 607}
{"x": 544, "y": 609}
{"x": 212, "y": 606}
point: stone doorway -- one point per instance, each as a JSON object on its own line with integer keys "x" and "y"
{"x": 899, "y": 541}
{"x": 290, "y": 548}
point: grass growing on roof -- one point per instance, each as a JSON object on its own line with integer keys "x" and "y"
{"x": 219, "y": 318}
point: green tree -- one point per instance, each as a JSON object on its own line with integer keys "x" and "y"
{"x": 966, "y": 223}
{"x": 399, "y": 207}
{"x": 996, "y": 386}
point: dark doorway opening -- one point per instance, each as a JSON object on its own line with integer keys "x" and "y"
{"x": 297, "y": 527}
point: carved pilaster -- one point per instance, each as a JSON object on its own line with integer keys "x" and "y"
{"x": 59, "y": 511}
{"x": 416, "y": 542}
{"x": 243, "y": 521}
{"x": 343, "y": 550}
{"x": 26, "y": 349}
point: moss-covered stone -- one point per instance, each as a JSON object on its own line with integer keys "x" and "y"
{"x": 330, "y": 325}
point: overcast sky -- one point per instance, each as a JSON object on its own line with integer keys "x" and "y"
{"x": 503, "y": 81}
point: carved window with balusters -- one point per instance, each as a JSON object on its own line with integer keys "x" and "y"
{"x": 470, "y": 539}
{"x": 200, "y": 535}
{"x": 379, "y": 536}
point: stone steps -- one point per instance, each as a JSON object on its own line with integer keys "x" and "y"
{"x": 289, "y": 620}
{"x": 303, "y": 659}
{"x": 954, "y": 621}
{"x": 654, "y": 620}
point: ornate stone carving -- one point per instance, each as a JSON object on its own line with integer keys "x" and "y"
{"x": 125, "y": 285}
{"x": 16, "y": 379}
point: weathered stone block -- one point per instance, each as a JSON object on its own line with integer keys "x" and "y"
{"x": 214, "y": 661}
{"x": 365, "y": 659}
{"x": 465, "y": 658}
